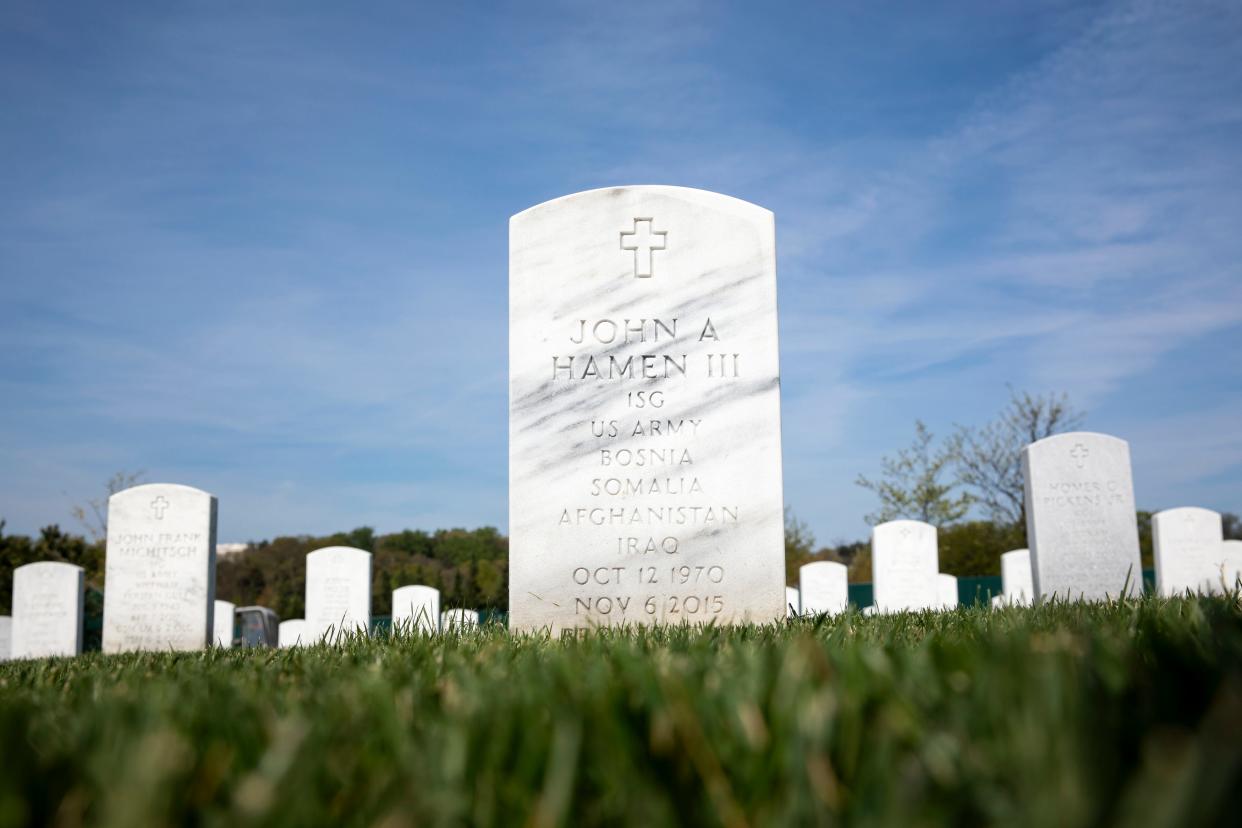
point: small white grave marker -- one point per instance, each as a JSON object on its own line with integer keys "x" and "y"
{"x": 793, "y": 602}
{"x": 1016, "y": 577}
{"x": 946, "y": 591}
{"x": 47, "y": 610}
{"x": 338, "y": 592}
{"x": 292, "y": 633}
{"x": 1231, "y": 564}
{"x": 1186, "y": 545}
{"x": 6, "y": 637}
{"x": 904, "y": 564}
{"x": 416, "y": 608}
{"x": 225, "y": 617}
{"x": 458, "y": 620}
{"x": 823, "y": 587}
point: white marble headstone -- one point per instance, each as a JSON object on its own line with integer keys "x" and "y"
{"x": 6, "y": 637}
{"x": 823, "y": 587}
{"x": 416, "y": 608}
{"x": 905, "y": 565}
{"x": 338, "y": 592}
{"x": 793, "y": 602}
{"x": 225, "y": 617}
{"x": 160, "y": 581}
{"x": 946, "y": 591}
{"x": 458, "y": 620}
{"x": 292, "y": 633}
{"x": 1080, "y": 517}
{"x": 999, "y": 601}
{"x": 644, "y": 411}
{"x": 1016, "y": 577}
{"x": 47, "y": 610}
{"x": 1186, "y": 544}
{"x": 1231, "y": 563}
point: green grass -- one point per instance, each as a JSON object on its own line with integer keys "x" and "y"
{"x": 1060, "y": 715}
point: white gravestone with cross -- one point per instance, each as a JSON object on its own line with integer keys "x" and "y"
{"x": 1080, "y": 517}
{"x": 905, "y": 564}
{"x": 160, "y": 581}
{"x": 47, "y": 610}
{"x": 1186, "y": 545}
{"x": 823, "y": 587}
{"x": 644, "y": 411}
{"x": 338, "y": 592}
{"x": 1016, "y": 577}
{"x": 416, "y": 609}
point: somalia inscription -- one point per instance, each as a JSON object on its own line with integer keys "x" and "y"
{"x": 644, "y": 428}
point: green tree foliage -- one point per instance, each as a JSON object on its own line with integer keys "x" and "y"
{"x": 988, "y": 459}
{"x": 910, "y": 484}
{"x": 469, "y": 567}
{"x": 51, "y": 545}
{"x": 974, "y": 547}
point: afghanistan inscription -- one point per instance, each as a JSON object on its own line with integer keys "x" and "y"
{"x": 644, "y": 419}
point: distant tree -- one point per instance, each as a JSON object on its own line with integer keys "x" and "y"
{"x": 93, "y": 517}
{"x": 910, "y": 485}
{"x": 988, "y": 459}
{"x": 1231, "y": 525}
{"x": 799, "y": 545}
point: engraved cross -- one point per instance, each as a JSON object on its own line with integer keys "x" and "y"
{"x": 643, "y": 240}
{"x": 1079, "y": 452}
{"x": 158, "y": 506}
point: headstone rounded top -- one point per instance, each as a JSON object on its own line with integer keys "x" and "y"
{"x": 1014, "y": 553}
{"x": 338, "y": 552}
{"x": 823, "y": 566}
{"x": 48, "y": 568}
{"x": 1070, "y": 438}
{"x": 903, "y": 527}
{"x": 414, "y": 589}
{"x": 692, "y": 194}
{"x": 143, "y": 488}
{"x": 1195, "y": 512}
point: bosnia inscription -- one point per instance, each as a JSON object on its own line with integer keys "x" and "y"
{"x": 645, "y": 476}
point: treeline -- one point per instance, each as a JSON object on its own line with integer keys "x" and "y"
{"x": 469, "y": 567}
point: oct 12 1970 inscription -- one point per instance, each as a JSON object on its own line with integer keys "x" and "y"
{"x": 644, "y": 411}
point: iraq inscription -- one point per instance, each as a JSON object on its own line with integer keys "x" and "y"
{"x": 1080, "y": 518}
{"x": 644, "y": 420}
{"x": 160, "y": 581}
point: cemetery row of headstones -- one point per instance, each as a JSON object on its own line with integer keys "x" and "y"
{"x": 644, "y": 461}
{"x": 160, "y": 577}
{"x": 1082, "y": 528}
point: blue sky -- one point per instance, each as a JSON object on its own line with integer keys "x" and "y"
{"x": 262, "y": 248}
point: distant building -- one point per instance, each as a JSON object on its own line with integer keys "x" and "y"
{"x": 225, "y": 549}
